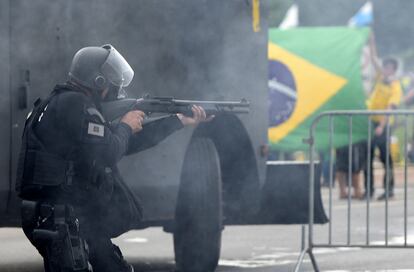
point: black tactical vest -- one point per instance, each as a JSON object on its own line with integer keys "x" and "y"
{"x": 38, "y": 170}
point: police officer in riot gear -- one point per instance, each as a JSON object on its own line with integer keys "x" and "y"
{"x": 74, "y": 200}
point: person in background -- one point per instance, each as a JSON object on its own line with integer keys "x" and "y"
{"x": 358, "y": 162}
{"x": 325, "y": 160}
{"x": 386, "y": 95}
{"x": 407, "y": 83}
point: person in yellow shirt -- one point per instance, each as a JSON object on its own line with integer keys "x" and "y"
{"x": 386, "y": 95}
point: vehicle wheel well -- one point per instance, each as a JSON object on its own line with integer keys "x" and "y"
{"x": 241, "y": 186}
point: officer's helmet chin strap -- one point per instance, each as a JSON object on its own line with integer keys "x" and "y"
{"x": 114, "y": 93}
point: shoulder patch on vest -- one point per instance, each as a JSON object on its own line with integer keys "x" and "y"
{"x": 96, "y": 129}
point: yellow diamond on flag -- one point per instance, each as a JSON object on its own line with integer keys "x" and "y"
{"x": 314, "y": 86}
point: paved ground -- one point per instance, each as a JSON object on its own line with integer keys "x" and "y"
{"x": 263, "y": 248}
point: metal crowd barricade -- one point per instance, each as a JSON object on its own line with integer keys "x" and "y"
{"x": 351, "y": 115}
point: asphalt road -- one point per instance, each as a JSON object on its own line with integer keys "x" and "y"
{"x": 262, "y": 248}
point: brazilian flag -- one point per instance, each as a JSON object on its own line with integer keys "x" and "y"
{"x": 312, "y": 70}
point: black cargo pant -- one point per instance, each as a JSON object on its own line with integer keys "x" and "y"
{"x": 380, "y": 142}
{"x": 103, "y": 255}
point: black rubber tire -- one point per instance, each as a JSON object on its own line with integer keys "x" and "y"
{"x": 198, "y": 219}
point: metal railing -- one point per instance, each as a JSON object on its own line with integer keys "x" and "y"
{"x": 365, "y": 243}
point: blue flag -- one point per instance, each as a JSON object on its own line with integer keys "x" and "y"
{"x": 364, "y": 16}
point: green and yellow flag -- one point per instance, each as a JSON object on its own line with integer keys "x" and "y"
{"x": 312, "y": 70}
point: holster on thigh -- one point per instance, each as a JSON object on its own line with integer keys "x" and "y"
{"x": 55, "y": 229}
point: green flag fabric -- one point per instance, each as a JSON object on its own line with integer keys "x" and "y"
{"x": 312, "y": 70}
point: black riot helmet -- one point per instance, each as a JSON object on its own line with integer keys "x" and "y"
{"x": 100, "y": 68}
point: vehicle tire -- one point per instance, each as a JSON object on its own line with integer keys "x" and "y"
{"x": 198, "y": 218}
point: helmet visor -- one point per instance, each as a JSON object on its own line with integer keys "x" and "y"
{"x": 116, "y": 69}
